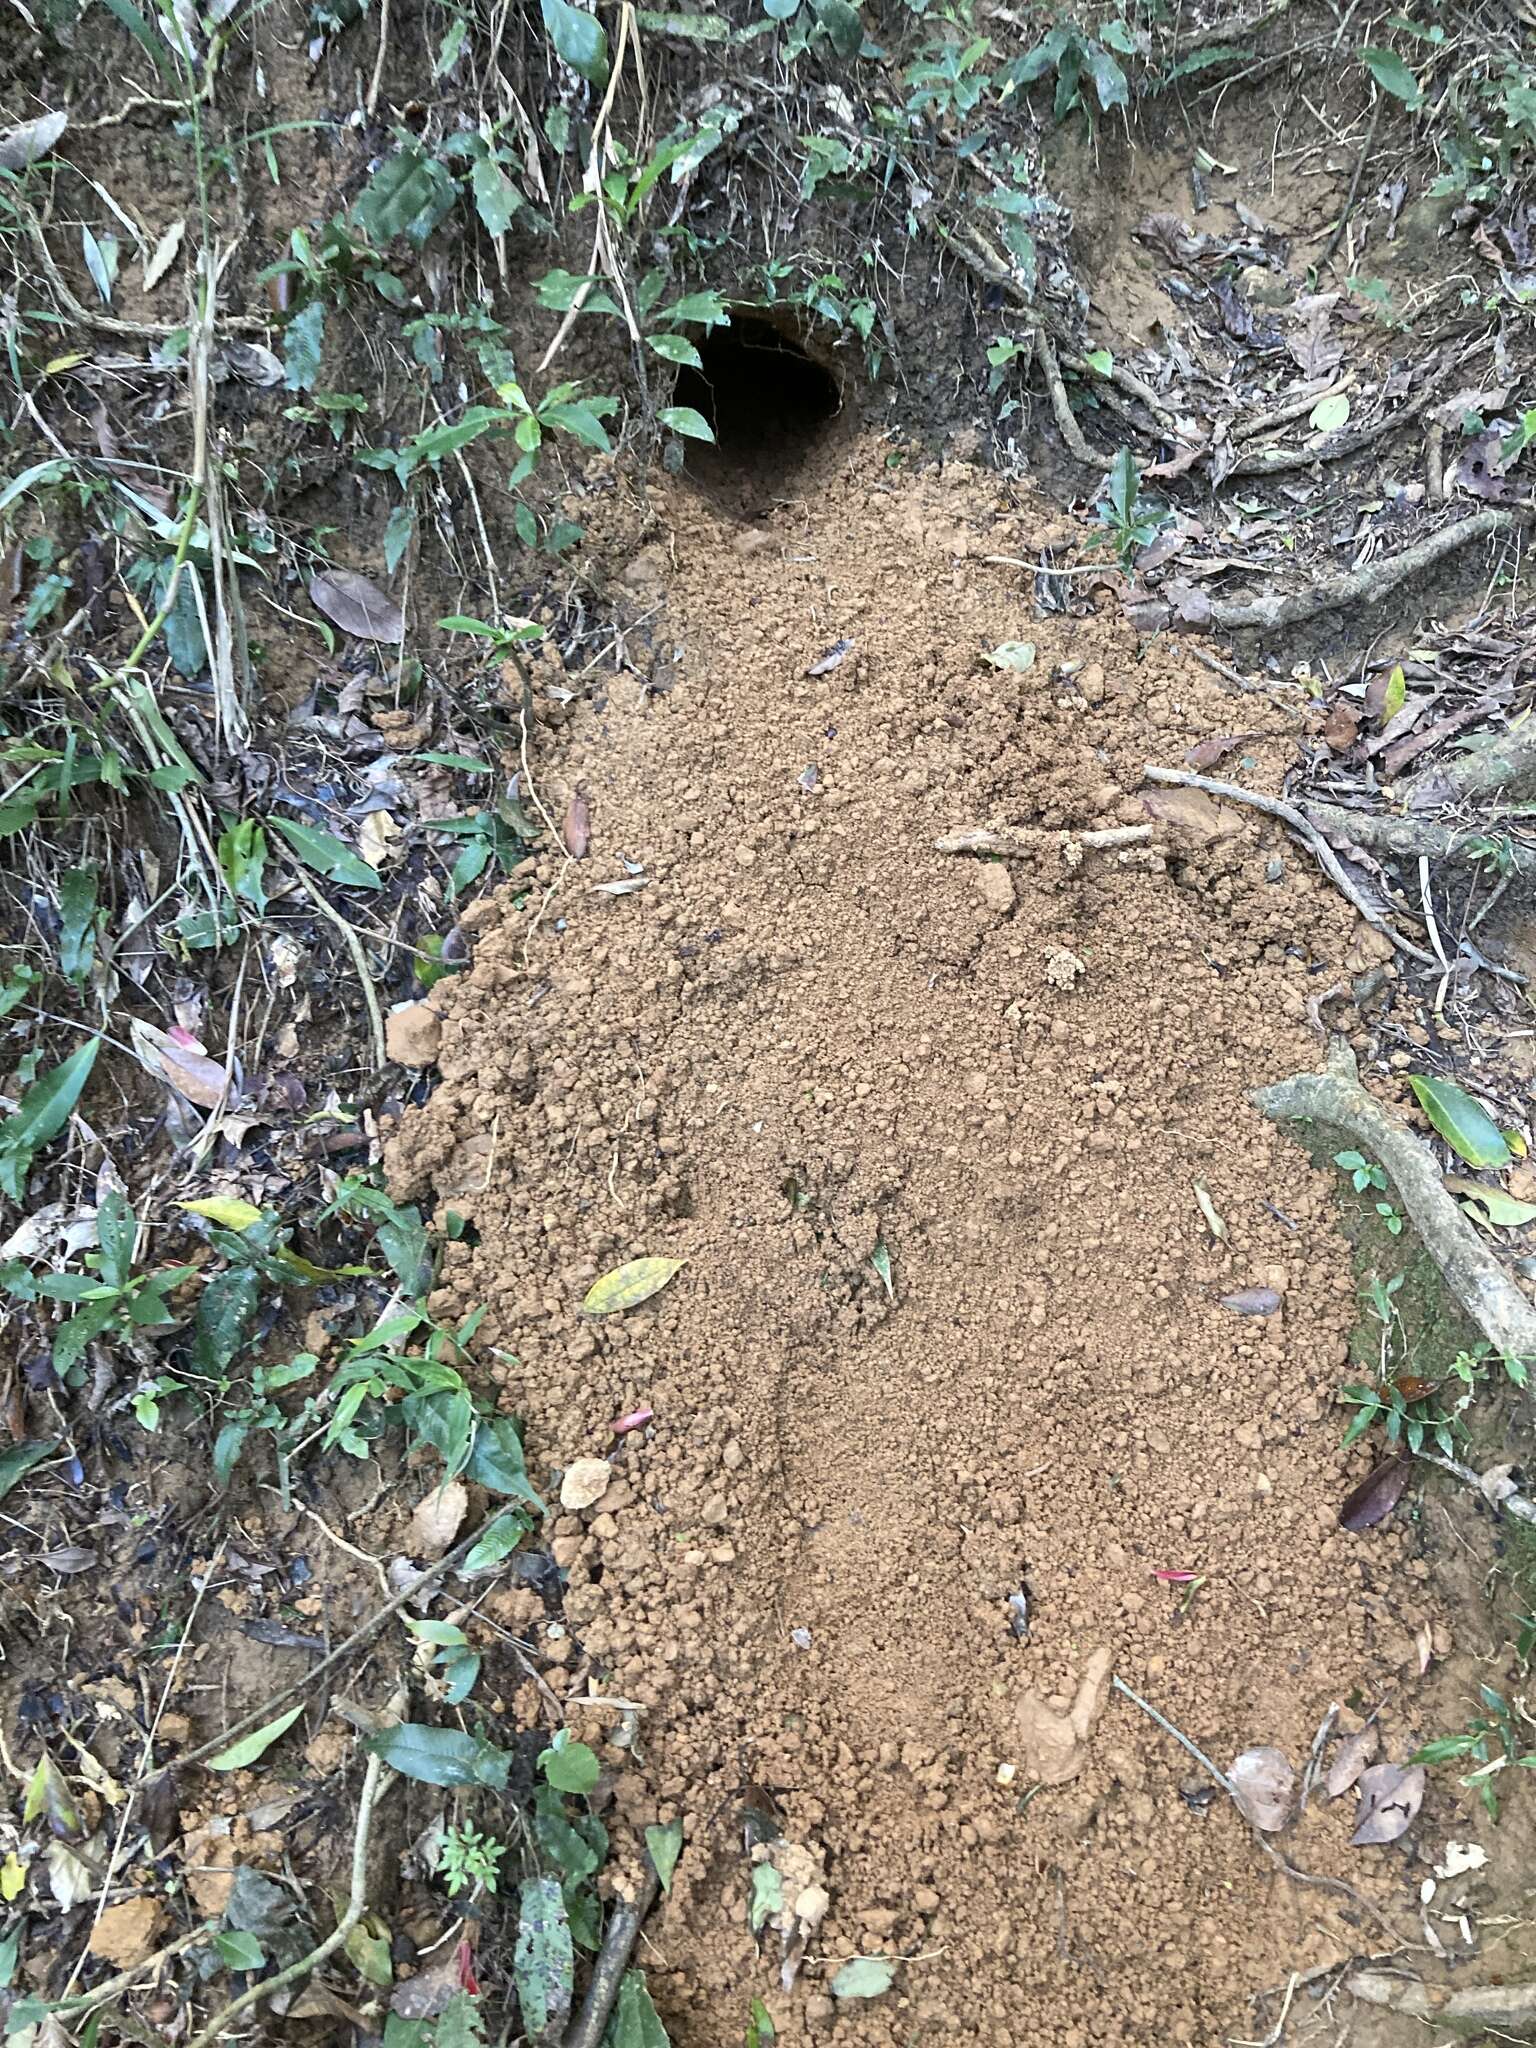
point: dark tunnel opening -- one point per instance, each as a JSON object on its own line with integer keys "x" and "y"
{"x": 768, "y": 403}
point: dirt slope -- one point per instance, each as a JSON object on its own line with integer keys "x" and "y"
{"x": 810, "y": 1035}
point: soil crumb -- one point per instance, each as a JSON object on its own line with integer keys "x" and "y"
{"x": 945, "y": 1380}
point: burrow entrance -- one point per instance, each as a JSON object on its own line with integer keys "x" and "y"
{"x": 767, "y": 399}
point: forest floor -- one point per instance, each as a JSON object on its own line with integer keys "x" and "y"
{"x": 690, "y": 705}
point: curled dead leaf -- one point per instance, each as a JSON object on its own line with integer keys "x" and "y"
{"x": 1377, "y": 1494}
{"x": 1351, "y": 1759}
{"x": 1390, "y": 1798}
{"x": 436, "y": 1520}
{"x": 22, "y": 146}
{"x": 1262, "y": 1787}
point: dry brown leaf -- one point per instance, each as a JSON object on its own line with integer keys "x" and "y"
{"x": 1253, "y": 1301}
{"x": 1262, "y": 1786}
{"x": 357, "y": 606}
{"x": 180, "y": 1061}
{"x": 577, "y": 829}
{"x": 1351, "y": 1759}
{"x": 436, "y": 1520}
{"x": 1390, "y": 1798}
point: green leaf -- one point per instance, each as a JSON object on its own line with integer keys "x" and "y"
{"x": 579, "y": 419}
{"x": 499, "y": 1540}
{"x": 1465, "y": 1126}
{"x": 1109, "y": 80}
{"x": 683, "y": 419}
{"x": 496, "y": 1461}
{"x": 576, "y": 1845}
{"x": 1392, "y": 75}
{"x": 665, "y": 1846}
{"x": 397, "y": 536}
{"x": 408, "y": 195}
{"x": 701, "y": 309}
{"x": 1395, "y": 695}
{"x": 445, "y": 1419}
{"x": 497, "y": 199}
{"x": 1491, "y": 1205}
{"x": 1101, "y": 361}
{"x": 569, "y": 1766}
{"x": 138, "y": 27}
{"x": 1331, "y": 412}
{"x": 1018, "y": 655}
{"x": 842, "y": 24}
{"x": 327, "y": 855}
{"x": 256, "y": 1744}
{"x": 760, "y": 2027}
{"x": 225, "y": 1309}
{"x": 627, "y": 1286}
{"x": 544, "y": 1961}
{"x": 864, "y": 1977}
{"x": 767, "y": 1896}
{"x": 48, "y": 1796}
{"x": 240, "y": 1950}
{"x": 781, "y": 10}
{"x": 227, "y": 1446}
{"x": 304, "y": 347}
{"x": 578, "y": 39}
{"x": 441, "y": 1756}
{"x": 243, "y": 860}
{"x": 41, "y": 1114}
{"x": 635, "y": 2022}
{"x": 116, "y": 1230}
{"x": 18, "y": 1461}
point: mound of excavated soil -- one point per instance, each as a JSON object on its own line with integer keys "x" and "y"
{"x": 807, "y": 1037}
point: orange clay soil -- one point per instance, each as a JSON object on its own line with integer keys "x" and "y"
{"x": 810, "y": 1036}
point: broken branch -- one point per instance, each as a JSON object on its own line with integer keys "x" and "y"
{"x": 608, "y": 1970}
{"x": 1329, "y": 861}
{"x": 1413, "y": 838}
{"x": 1030, "y": 845}
{"x": 1336, "y": 1097}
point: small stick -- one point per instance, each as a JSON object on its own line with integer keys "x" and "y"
{"x": 355, "y": 1641}
{"x": 1354, "y": 190}
{"x": 1328, "y": 860}
{"x": 608, "y": 1970}
{"x": 1030, "y": 845}
{"x": 1514, "y": 1503}
{"x": 359, "y": 961}
{"x": 253, "y": 1994}
{"x": 1179, "y": 1736}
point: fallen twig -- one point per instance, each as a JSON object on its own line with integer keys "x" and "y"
{"x": 355, "y": 1641}
{"x": 1030, "y": 845}
{"x": 1276, "y": 807}
{"x": 1354, "y": 188}
{"x": 1412, "y": 838}
{"x": 608, "y": 1971}
{"x": 1513, "y": 1502}
{"x": 1364, "y": 586}
{"x": 1238, "y": 681}
{"x": 1337, "y": 1098}
{"x": 359, "y": 960}
{"x": 357, "y": 1900}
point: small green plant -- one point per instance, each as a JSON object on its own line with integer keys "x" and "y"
{"x": 109, "y": 1300}
{"x": 1363, "y": 1175}
{"x": 1492, "y": 1741}
{"x": 1128, "y": 521}
{"x": 468, "y": 1858}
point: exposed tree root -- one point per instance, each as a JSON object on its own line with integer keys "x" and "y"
{"x": 1506, "y": 768}
{"x": 1505, "y": 2010}
{"x": 608, "y": 1970}
{"x": 1411, "y": 838}
{"x": 1368, "y": 585}
{"x": 1066, "y": 419}
{"x": 1475, "y": 1278}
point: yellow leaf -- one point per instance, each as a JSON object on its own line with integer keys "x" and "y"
{"x": 62, "y": 363}
{"x": 13, "y": 1877}
{"x": 1395, "y": 694}
{"x": 227, "y": 1210}
{"x": 627, "y": 1286}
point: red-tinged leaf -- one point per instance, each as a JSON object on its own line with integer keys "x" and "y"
{"x": 577, "y": 829}
{"x": 1209, "y": 754}
{"x": 1253, "y": 1301}
{"x": 1262, "y": 1785}
{"x": 1376, "y": 1496}
{"x": 637, "y": 1418}
{"x": 1172, "y": 1578}
{"x": 1390, "y": 1798}
{"x": 1341, "y": 728}
{"x": 1351, "y": 1759}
